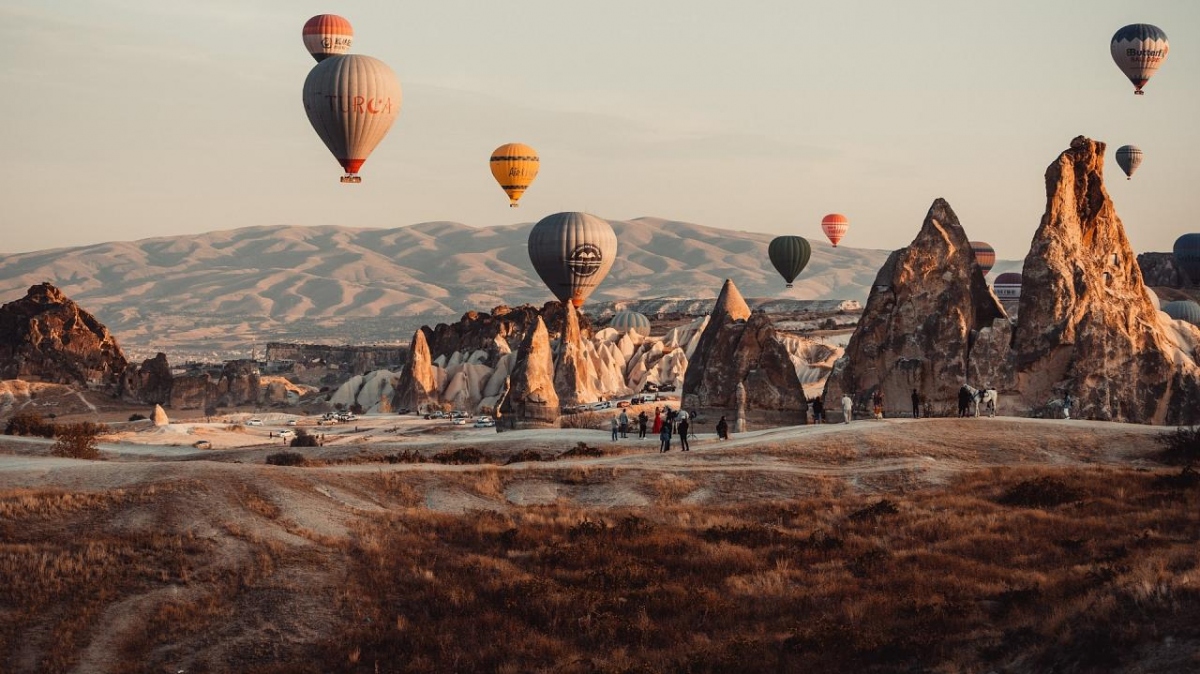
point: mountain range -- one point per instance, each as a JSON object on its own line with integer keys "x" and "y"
{"x": 222, "y": 292}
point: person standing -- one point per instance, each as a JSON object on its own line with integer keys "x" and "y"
{"x": 682, "y": 427}
{"x": 723, "y": 428}
{"x": 623, "y": 420}
{"x": 818, "y": 410}
{"x": 643, "y": 420}
{"x": 847, "y": 408}
{"x": 615, "y": 426}
{"x": 877, "y": 403}
{"x": 964, "y": 401}
{"x": 658, "y": 422}
{"x": 1067, "y": 405}
{"x": 664, "y": 438}
{"x": 916, "y": 401}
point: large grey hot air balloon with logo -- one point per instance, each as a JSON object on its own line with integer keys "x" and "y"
{"x": 351, "y": 101}
{"x": 572, "y": 252}
{"x": 1138, "y": 50}
{"x": 789, "y": 255}
{"x": 1187, "y": 256}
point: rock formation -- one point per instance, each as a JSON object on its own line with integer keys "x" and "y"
{"x": 149, "y": 383}
{"x": 1087, "y": 326}
{"x": 47, "y": 337}
{"x": 159, "y": 417}
{"x": 531, "y": 397}
{"x": 573, "y": 372}
{"x": 739, "y": 347}
{"x": 418, "y": 387}
{"x": 193, "y": 392}
{"x": 239, "y": 383}
{"x": 930, "y": 323}
{"x": 1160, "y": 270}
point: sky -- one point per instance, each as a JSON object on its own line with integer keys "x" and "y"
{"x": 128, "y": 119}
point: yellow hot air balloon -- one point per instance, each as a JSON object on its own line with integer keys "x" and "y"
{"x": 514, "y": 166}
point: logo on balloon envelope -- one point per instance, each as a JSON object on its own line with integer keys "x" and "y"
{"x": 585, "y": 260}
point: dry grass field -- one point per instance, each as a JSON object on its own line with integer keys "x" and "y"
{"x": 945, "y": 546}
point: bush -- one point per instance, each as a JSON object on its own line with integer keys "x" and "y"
{"x": 590, "y": 420}
{"x": 304, "y": 439}
{"x": 1181, "y": 448}
{"x": 523, "y": 456}
{"x": 466, "y": 455}
{"x": 1044, "y": 492}
{"x": 79, "y": 441}
{"x": 29, "y": 423}
{"x": 286, "y": 459}
{"x": 137, "y": 416}
{"x": 581, "y": 450}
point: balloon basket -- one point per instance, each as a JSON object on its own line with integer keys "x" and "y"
{"x": 1139, "y": 92}
{"x": 513, "y": 205}
{"x": 789, "y": 285}
{"x": 353, "y": 180}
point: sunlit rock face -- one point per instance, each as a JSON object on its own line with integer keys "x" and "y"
{"x": 931, "y": 324}
{"x": 531, "y": 397}
{"x": 45, "y": 336}
{"x": 1087, "y": 325}
{"x": 741, "y": 347}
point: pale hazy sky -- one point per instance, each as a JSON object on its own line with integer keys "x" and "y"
{"x": 126, "y": 119}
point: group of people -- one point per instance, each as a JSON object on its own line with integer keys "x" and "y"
{"x": 667, "y": 423}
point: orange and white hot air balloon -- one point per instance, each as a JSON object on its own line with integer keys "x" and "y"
{"x": 835, "y": 225}
{"x": 327, "y": 35}
{"x": 514, "y": 166}
{"x": 351, "y": 101}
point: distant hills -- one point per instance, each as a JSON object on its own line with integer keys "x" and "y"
{"x": 222, "y": 292}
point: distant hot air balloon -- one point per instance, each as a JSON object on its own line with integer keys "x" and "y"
{"x": 351, "y": 101}
{"x": 1187, "y": 255}
{"x": 1139, "y": 49}
{"x": 790, "y": 255}
{"x": 572, "y": 253}
{"x": 1129, "y": 158}
{"x": 327, "y": 35}
{"x": 1008, "y": 286}
{"x": 835, "y": 225}
{"x": 985, "y": 256}
{"x": 514, "y": 166}
{"x": 1183, "y": 310}
{"x": 631, "y": 321}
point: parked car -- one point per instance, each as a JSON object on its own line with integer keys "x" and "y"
{"x": 666, "y": 387}
{"x": 287, "y": 433}
{"x": 254, "y": 422}
{"x": 623, "y": 403}
{"x": 459, "y": 421}
{"x": 485, "y": 422}
{"x": 649, "y": 387}
{"x": 637, "y": 400}
{"x": 602, "y": 405}
{"x": 403, "y": 410}
{"x": 292, "y": 422}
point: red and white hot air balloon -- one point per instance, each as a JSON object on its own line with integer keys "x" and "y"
{"x": 351, "y": 101}
{"x": 835, "y": 225}
{"x": 327, "y": 35}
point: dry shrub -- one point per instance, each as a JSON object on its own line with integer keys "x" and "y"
{"x": 460, "y": 456}
{"x": 79, "y": 441}
{"x": 581, "y": 450}
{"x": 1181, "y": 448}
{"x": 1042, "y": 492}
{"x": 524, "y": 456}
{"x": 286, "y": 459}
{"x": 874, "y": 511}
{"x": 587, "y": 420}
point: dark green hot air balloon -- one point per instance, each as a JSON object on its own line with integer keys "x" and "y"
{"x": 789, "y": 254}
{"x": 1187, "y": 255}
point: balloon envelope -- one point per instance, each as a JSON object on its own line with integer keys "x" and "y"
{"x": 1129, "y": 158}
{"x": 631, "y": 321}
{"x": 351, "y": 102}
{"x": 1183, "y": 310}
{"x": 514, "y": 166}
{"x": 327, "y": 35}
{"x": 835, "y": 225}
{"x": 1007, "y": 286}
{"x": 789, "y": 255}
{"x": 572, "y": 253}
{"x": 1187, "y": 256}
{"x": 1138, "y": 50}
{"x": 985, "y": 256}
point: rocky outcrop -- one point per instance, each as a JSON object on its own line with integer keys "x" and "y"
{"x": 193, "y": 392}
{"x": 931, "y": 323}
{"x": 531, "y": 398}
{"x": 1087, "y": 326}
{"x": 417, "y": 387}
{"x": 239, "y": 383}
{"x": 159, "y": 416}
{"x": 573, "y": 373}
{"x": 47, "y": 337}
{"x": 739, "y": 348}
{"x": 150, "y": 382}
{"x": 499, "y": 331}
{"x": 1160, "y": 270}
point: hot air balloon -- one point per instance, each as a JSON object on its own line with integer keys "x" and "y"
{"x": 572, "y": 252}
{"x": 790, "y": 255}
{"x": 835, "y": 225}
{"x": 1129, "y": 158}
{"x": 985, "y": 256}
{"x": 327, "y": 35}
{"x": 351, "y": 101}
{"x": 1008, "y": 286}
{"x": 1183, "y": 310}
{"x": 1187, "y": 255}
{"x": 514, "y": 166}
{"x": 631, "y": 321}
{"x": 1139, "y": 49}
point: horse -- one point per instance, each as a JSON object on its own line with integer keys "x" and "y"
{"x": 982, "y": 397}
